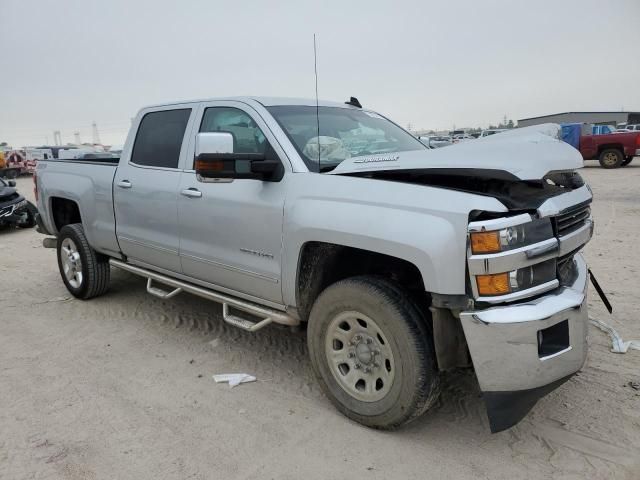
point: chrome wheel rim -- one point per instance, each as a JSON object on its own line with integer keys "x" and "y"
{"x": 71, "y": 262}
{"x": 359, "y": 356}
{"x": 610, "y": 159}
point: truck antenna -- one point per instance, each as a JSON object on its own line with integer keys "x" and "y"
{"x": 315, "y": 68}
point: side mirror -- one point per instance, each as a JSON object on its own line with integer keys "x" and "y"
{"x": 215, "y": 159}
{"x": 12, "y": 183}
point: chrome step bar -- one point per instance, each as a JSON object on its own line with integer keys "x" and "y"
{"x": 268, "y": 315}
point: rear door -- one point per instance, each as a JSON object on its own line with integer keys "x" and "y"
{"x": 146, "y": 188}
{"x": 231, "y": 230}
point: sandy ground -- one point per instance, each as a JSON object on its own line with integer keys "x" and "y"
{"x": 120, "y": 387}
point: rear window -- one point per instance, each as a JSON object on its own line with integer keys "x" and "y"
{"x": 159, "y": 138}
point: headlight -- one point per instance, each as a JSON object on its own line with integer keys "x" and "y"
{"x": 512, "y": 237}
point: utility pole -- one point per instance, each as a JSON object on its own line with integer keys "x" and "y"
{"x": 77, "y": 138}
{"x": 57, "y": 138}
{"x": 96, "y": 136}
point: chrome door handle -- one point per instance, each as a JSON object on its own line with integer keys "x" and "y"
{"x": 191, "y": 192}
{"x": 124, "y": 184}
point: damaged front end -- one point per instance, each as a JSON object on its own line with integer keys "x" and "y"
{"x": 14, "y": 208}
{"x": 525, "y": 318}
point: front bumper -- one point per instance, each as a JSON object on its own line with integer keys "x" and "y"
{"x": 513, "y": 363}
{"x": 13, "y": 213}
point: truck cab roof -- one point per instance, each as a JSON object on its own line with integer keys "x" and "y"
{"x": 265, "y": 101}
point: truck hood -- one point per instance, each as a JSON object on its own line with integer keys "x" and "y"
{"x": 527, "y": 153}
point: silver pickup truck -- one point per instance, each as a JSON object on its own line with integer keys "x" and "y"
{"x": 401, "y": 261}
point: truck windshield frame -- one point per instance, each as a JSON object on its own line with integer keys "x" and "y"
{"x": 344, "y": 133}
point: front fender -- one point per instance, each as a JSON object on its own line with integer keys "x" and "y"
{"x": 425, "y": 226}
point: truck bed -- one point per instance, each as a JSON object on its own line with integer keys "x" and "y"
{"x": 92, "y": 181}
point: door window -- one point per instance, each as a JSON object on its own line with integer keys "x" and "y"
{"x": 159, "y": 138}
{"x": 247, "y": 136}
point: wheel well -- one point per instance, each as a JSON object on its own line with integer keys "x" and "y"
{"x": 64, "y": 212}
{"x": 614, "y": 146}
{"x": 322, "y": 264}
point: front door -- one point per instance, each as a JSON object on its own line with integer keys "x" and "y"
{"x": 231, "y": 231}
{"x": 146, "y": 188}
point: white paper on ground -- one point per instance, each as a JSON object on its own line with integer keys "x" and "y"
{"x": 617, "y": 344}
{"x": 234, "y": 379}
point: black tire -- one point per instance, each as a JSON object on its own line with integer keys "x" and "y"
{"x": 95, "y": 266}
{"x": 415, "y": 384}
{"x": 611, "y": 158}
{"x": 30, "y": 221}
{"x": 627, "y": 161}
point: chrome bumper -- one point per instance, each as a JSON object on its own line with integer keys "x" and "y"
{"x": 505, "y": 347}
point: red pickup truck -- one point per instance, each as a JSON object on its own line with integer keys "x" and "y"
{"x": 612, "y": 150}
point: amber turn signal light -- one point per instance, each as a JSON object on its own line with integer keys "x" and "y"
{"x": 485, "y": 242}
{"x": 214, "y": 166}
{"x": 497, "y": 284}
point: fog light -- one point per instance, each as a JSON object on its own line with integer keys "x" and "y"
{"x": 497, "y": 284}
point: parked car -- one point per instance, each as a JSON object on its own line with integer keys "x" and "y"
{"x": 15, "y": 210}
{"x": 435, "y": 141}
{"x": 628, "y": 128}
{"x": 612, "y": 150}
{"x": 491, "y": 131}
{"x": 402, "y": 261}
{"x": 461, "y": 137}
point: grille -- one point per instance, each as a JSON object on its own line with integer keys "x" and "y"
{"x": 572, "y": 220}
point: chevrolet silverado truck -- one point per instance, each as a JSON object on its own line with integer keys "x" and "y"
{"x": 401, "y": 261}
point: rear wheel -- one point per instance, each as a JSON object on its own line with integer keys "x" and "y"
{"x": 372, "y": 351}
{"x": 627, "y": 161}
{"x": 84, "y": 271}
{"x": 611, "y": 158}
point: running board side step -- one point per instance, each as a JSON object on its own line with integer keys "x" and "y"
{"x": 268, "y": 315}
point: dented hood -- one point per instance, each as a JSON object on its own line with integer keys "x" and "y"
{"x": 526, "y": 153}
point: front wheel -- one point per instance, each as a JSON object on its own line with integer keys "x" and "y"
{"x": 372, "y": 352}
{"x": 84, "y": 271}
{"x": 29, "y": 217}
